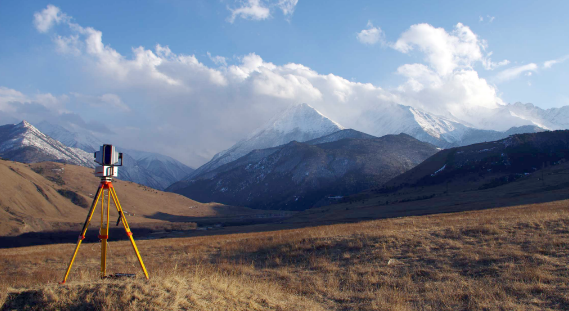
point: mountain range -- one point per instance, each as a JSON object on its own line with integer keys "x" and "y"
{"x": 297, "y": 123}
{"x": 146, "y": 168}
{"x": 504, "y": 160}
{"x": 296, "y": 176}
{"x": 302, "y": 123}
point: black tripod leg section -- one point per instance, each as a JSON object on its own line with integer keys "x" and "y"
{"x": 120, "y": 217}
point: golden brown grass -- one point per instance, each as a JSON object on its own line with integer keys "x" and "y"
{"x": 499, "y": 259}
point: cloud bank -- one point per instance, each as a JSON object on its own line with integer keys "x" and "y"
{"x": 174, "y": 104}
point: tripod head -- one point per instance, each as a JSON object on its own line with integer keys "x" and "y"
{"x": 108, "y": 158}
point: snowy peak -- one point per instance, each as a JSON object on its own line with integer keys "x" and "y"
{"x": 552, "y": 118}
{"x": 301, "y": 117}
{"x": 24, "y": 143}
{"x": 146, "y": 168}
{"x": 299, "y": 123}
{"x": 76, "y": 139}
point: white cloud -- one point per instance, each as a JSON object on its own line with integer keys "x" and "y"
{"x": 491, "y": 18}
{"x": 218, "y": 60}
{"x": 371, "y": 35}
{"x": 287, "y": 6}
{"x": 514, "y": 72}
{"x": 45, "y": 19}
{"x": 261, "y": 9}
{"x": 490, "y": 65}
{"x": 480, "y": 18}
{"x": 252, "y": 9}
{"x": 208, "y": 109}
{"x": 444, "y": 52}
{"x": 552, "y": 62}
{"x": 12, "y": 100}
{"x": 112, "y": 101}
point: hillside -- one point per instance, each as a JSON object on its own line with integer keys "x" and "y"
{"x": 296, "y": 176}
{"x": 55, "y": 197}
{"x": 522, "y": 169}
{"x": 513, "y": 157}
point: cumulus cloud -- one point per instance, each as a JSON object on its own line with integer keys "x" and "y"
{"x": 371, "y": 35}
{"x": 11, "y": 100}
{"x": 447, "y": 83}
{"x": 252, "y": 10}
{"x": 514, "y": 72}
{"x": 218, "y": 60}
{"x": 16, "y": 106}
{"x": 445, "y": 52}
{"x": 550, "y": 63}
{"x": 190, "y": 111}
{"x": 258, "y": 10}
{"x": 51, "y": 15}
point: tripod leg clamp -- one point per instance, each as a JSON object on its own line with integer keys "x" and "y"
{"x": 103, "y": 237}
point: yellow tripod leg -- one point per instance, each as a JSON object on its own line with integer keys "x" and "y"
{"x": 83, "y": 231}
{"x": 104, "y": 233}
{"x": 127, "y": 229}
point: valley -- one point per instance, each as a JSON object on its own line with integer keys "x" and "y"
{"x": 509, "y": 258}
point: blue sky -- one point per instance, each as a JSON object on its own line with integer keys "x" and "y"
{"x": 513, "y": 40}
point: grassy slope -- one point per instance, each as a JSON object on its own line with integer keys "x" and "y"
{"x": 30, "y": 201}
{"x": 504, "y": 258}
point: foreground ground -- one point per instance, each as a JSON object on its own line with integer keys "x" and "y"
{"x": 504, "y": 258}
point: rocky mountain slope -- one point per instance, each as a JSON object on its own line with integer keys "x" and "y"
{"x": 23, "y": 142}
{"x": 297, "y": 176}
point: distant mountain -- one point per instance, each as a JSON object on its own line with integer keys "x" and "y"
{"x": 23, "y": 142}
{"x": 145, "y": 168}
{"x": 151, "y": 169}
{"x": 297, "y": 123}
{"x": 507, "y": 159}
{"x": 297, "y": 176}
{"x": 80, "y": 139}
{"x": 551, "y": 119}
{"x": 440, "y": 131}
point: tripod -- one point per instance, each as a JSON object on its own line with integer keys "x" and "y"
{"x": 106, "y": 184}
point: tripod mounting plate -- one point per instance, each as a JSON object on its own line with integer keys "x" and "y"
{"x": 106, "y": 171}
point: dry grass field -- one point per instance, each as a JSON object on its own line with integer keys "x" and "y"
{"x": 507, "y": 258}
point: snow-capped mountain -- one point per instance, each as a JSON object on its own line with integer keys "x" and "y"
{"x": 297, "y": 176}
{"x": 76, "y": 139}
{"x": 299, "y": 122}
{"x": 150, "y": 169}
{"x": 551, "y": 119}
{"x": 23, "y": 142}
{"x": 440, "y": 131}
